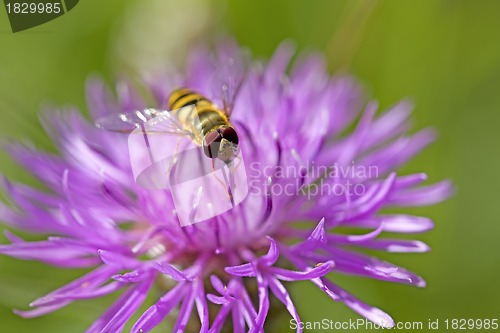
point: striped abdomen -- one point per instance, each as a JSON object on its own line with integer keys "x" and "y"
{"x": 210, "y": 116}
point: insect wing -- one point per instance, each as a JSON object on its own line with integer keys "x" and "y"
{"x": 172, "y": 160}
{"x": 127, "y": 122}
{"x": 201, "y": 190}
{"x": 157, "y": 145}
{"x": 229, "y": 77}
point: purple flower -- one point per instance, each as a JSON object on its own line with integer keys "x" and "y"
{"x": 308, "y": 177}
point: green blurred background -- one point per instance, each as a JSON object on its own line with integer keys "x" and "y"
{"x": 445, "y": 55}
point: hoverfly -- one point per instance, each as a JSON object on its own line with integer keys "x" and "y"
{"x": 192, "y": 115}
{"x": 195, "y": 119}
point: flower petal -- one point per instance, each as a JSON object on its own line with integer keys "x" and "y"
{"x": 202, "y": 307}
{"x": 316, "y": 272}
{"x": 186, "y": 308}
{"x": 241, "y": 270}
{"x": 282, "y": 294}
{"x": 170, "y": 270}
{"x": 217, "y": 284}
{"x": 217, "y": 299}
{"x": 155, "y": 314}
{"x": 118, "y": 260}
{"x": 120, "y": 312}
{"x": 375, "y": 315}
{"x": 362, "y": 265}
{"x": 395, "y": 223}
{"x": 80, "y": 286}
{"x": 422, "y": 196}
{"x": 272, "y": 255}
{"x": 220, "y": 319}
{"x": 262, "y": 286}
{"x": 395, "y": 245}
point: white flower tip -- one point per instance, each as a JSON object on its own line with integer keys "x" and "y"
{"x": 421, "y": 283}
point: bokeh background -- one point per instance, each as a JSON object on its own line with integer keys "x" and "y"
{"x": 444, "y": 54}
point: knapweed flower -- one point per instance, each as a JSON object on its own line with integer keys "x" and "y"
{"x": 319, "y": 159}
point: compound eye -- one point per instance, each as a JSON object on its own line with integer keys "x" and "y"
{"x": 211, "y": 144}
{"x": 229, "y": 134}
